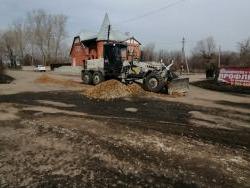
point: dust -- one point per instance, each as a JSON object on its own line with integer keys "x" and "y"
{"x": 113, "y": 89}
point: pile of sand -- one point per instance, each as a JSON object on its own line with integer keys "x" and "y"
{"x": 113, "y": 89}
{"x": 45, "y": 79}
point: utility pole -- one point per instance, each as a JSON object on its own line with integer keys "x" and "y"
{"x": 109, "y": 32}
{"x": 184, "y": 58}
{"x": 219, "y": 58}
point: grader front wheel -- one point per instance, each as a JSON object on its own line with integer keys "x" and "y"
{"x": 154, "y": 82}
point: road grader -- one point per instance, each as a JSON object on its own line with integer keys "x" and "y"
{"x": 153, "y": 76}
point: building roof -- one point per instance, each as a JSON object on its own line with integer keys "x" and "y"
{"x": 103, "y": 31}
{"x": 86, "y": 35}
{"x": 115, "y": 35}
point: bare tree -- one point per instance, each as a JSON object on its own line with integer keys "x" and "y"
{"x": 40, "y": 38}
{"x": 148, "y": 53}
{"x": 32, "y": 30}
{"x": 1, "y": 56}
{"x": 9, "y": 46}
{"x": 244, "y": 48}
{"x": 59, "y": 32}
{"x": 30, "y": 42}
{"x": 2, "y": 48}
{"x": 206, "y": 48}
{"x": 168, "y": 56}
{"x": 229, "y": 58}
{"x": 204, "y": 55}
{"x": 48, "y": 31}
{"x": 13, "y": 43}
{"x": 40, "y": 24}
{"x": 20, "y": 37}
{"x": 163, "y": 55}
{"x": 2, "y": 52}
{"x": 34, "y": 20}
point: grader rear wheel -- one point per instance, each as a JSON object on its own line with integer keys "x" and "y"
{"x": 87, "y": 77}
{"x": 97, "y": 78}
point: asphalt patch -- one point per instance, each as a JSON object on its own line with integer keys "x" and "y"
{"x": 217, "y": 86}
{"x": 152, "y": 115}
{"x": 5, "y": 79}
{"x": 234, "y": 104}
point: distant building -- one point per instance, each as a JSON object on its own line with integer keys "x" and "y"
{"x": 90, "y": 45}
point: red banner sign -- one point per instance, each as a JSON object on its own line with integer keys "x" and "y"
{"x": 235, "y": 76}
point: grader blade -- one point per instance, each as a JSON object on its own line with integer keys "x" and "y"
{"x": 178, "y": 86}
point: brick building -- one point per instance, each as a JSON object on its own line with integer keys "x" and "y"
{"x": 90, "y": 45}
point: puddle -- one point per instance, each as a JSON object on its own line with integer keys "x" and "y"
{"x": 57, "y": 104}
{"x": 131, "y": 109}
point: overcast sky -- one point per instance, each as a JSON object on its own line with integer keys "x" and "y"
{"x": 228, "y": 21}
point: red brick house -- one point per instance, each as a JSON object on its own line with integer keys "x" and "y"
{"x": 90, "y": 45}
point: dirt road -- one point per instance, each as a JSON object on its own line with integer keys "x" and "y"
{"x": 53, "y": 136}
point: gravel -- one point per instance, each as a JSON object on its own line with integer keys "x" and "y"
{"x": 113, "y": 89}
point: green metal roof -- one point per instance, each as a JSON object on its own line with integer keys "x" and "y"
{"x": 86, "y": 35}
{"x": 115, "y": 35}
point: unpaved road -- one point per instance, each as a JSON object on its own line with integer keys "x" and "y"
{"x": 53, "y": 136}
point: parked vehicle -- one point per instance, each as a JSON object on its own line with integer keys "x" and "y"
{"x": 40, "y": 68}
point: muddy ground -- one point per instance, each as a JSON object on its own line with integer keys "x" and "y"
{"x": 5, "y": 79}
{"x": 218, "y": 86}
{"x": 53, "y": 136}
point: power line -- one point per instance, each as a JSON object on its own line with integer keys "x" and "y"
{"x": 153, "y": 11}
{"x": 167, "y": 43}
